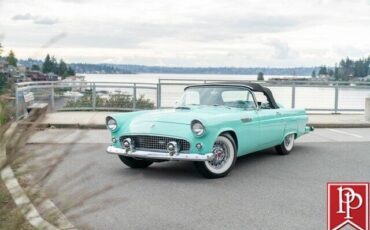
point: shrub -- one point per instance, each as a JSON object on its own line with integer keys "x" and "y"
{"x": 6, "y": 101}
{"x": 119, "y": 101}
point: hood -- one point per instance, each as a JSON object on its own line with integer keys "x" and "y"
{"x": 184, "y": 116}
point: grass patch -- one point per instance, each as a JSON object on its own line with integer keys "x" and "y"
{"x": 10, "y": 217}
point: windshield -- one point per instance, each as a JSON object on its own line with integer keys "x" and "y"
{"x": 238, "y": 97}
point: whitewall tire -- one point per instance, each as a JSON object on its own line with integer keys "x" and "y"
{"x": 287, "y": 145}
{"x": 224, "y": 159}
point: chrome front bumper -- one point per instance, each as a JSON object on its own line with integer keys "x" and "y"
{"x": 160, "y": 155}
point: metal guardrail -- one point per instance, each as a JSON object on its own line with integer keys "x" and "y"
{"x": 45, "y": 91}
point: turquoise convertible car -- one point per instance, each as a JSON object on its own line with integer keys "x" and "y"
{"x": 212, "y": 125}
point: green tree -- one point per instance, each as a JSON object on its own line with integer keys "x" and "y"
{"x": 323, "y": 70}
{"x": 35, "y": 67}
{"x": 313, "y": 75}
{"x": 260, "y": 76}
{"x": 12, "y": 60}
{"x": 55, "y": 67}
{"x": 1, "y": 49}
{"x": 346, "y": 68}
{"x": 47, "y": 65}
{"x": 330, "y": 72}
{"x": 71, "y": 72}
{"x": 50, "y": 65}
{"x": 62, "y": 69}
{"x": 336, "y": 73}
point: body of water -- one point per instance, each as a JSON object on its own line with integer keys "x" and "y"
{"x": 153, "y": 78}
{"x": 306, "y": 97}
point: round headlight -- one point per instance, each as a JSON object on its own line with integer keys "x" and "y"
{"x": 197, "y": 127}
{"x": 111, "y": 124}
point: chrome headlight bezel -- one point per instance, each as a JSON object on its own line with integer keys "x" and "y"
{"x": 111, "y": 124}
{"x": 197, "y": 128}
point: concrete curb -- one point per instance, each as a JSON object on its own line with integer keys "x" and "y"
{"x": 20, "y": 197}
{"x": 102, "y": 126}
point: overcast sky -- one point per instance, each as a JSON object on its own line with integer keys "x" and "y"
{"x": 241, "y": 33}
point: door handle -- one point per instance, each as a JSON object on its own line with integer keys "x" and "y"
{"x": 278, "y": 113}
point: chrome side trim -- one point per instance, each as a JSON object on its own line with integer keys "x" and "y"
{"x": 160, "y": 155}
{"x": 246, "y": 119}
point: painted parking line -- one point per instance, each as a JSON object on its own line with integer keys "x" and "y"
{"x": 345, "y": 133}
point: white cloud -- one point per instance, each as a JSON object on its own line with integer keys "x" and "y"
{"x": 192, "y": 32}
{"x": 23, "y": 17}
{"x": 35, "y": 19}
{"x": 282, "y": 50}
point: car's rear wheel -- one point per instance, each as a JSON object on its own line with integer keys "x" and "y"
{"x": 224, "y": 159}
{"x": 287, "y": 145}
{"x": 135, "y": 163}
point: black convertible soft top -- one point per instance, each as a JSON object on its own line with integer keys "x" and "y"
{"x": 252, "y": 86}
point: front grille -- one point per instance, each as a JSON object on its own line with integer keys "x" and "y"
{"x": 155, "y": 143}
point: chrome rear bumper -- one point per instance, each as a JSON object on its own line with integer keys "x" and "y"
{"x": 160, "y": 155}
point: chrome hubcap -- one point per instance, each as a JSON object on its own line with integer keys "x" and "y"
{"x": 289, "y": 141}
{"x": 221, "y": 155}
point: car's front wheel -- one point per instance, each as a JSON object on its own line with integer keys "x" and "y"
{"x": 287, "y": 145}
{"x": 224, "y": 159}
{"x": 135, "y": 163}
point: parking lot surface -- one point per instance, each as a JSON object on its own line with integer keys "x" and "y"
{"x": 264, "y": 190}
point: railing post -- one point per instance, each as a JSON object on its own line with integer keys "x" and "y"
{"x": 159, "y": 95}
{"x": 293, "y": 95}
{"x": 94, "y": 97}
{"x": 336, "y": 98}
{"x": 134, "y": 98}
{"x": 52, "y": 97}
{"x": 16, "y": 102}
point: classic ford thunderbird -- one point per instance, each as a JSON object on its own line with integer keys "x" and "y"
{"x": 212, "y": 125}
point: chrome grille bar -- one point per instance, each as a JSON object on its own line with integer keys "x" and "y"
{"x": 155, "y": 143}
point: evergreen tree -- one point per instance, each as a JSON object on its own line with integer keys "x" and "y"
{"x": 260, "y": 76}
{"x": 323, "y": 70}
{"x": 63, "y": 69}
{"x": 12, "y": 60}
{"x": 71, "y": 72}
{"x": 47, "y": 66}
{"x": 35, "y": 67}
{"x": 313, "y": 75}
{"x": 336, "y": 73}
{"x": 1, "y": 49}
{"x": 346, "y": 69}
{"x": 50, "y": 65}
{"x": 54, "y": 65}
{"x": 330, "y": 72}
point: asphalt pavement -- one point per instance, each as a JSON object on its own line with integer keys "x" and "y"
{"x": 264, "y": 191}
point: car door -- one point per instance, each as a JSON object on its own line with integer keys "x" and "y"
{"x": 271, "y": 123}
{"x": 246, "y": 120}
{"x": 249, "y": 131}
